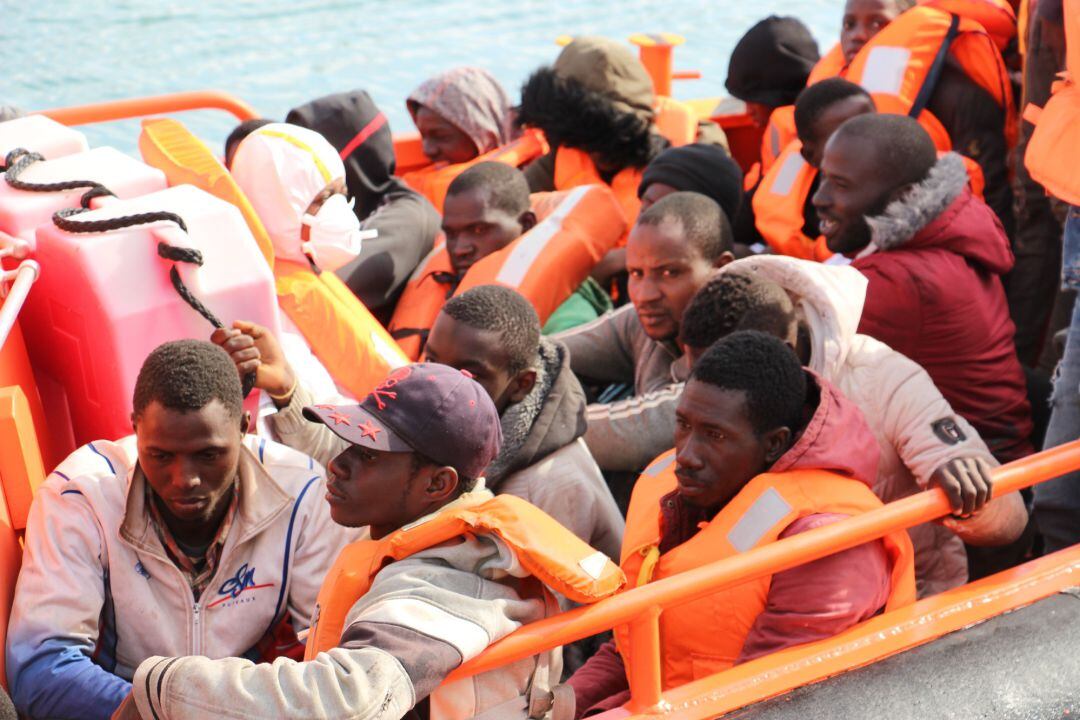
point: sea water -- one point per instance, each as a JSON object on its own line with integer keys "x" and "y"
{"x": 277, "y": 54}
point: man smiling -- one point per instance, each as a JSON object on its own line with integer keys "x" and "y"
{"x": 188, "y": 537}
{"x": 934, "y": 255}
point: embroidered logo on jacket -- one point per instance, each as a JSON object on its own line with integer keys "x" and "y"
{"x": 237, "y": 585}
{"x": 948, "y": 431}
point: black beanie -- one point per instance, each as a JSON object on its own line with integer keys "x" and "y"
{"x": 705, "y": 169}
{"x": 771, "y": 62}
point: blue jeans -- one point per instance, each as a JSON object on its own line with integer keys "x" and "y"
{"x": 1057, "y": 502}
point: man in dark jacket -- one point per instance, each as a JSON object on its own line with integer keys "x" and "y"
{"x": 406, "y": 222}
{"x": 934, "y": 256}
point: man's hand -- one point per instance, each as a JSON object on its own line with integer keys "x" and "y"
{"x": 966, "y": 482}
{"x": 254, "y": 349}
{"x": 128, "y": 710}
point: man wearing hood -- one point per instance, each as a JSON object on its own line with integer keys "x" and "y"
{"x": 815, "y": 308}
{"x": 764, "y": 450}
{"x": 492, "y": 333}
{"x": 405, "y": 221}
{"x": 934, "y": 256}
{"x": 770, "y": 64}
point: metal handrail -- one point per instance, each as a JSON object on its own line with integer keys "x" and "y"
{"x": 23, "y": 277}
{"x": 153, "y": 105}
{"x": 641, "y": 607}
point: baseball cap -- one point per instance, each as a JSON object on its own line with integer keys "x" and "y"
{"x": 432, "y": 409}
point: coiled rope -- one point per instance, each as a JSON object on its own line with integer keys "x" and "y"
{"x": 19, "y": 159}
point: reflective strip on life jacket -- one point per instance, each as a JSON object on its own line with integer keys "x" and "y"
{"x": 433, "y": 181}
{"x": 778, "y": 133}
{"x": 544, "y": 548}
{"x": 706, "y": 636}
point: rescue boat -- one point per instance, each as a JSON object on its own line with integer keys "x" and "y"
{"x": 75, "y": 220}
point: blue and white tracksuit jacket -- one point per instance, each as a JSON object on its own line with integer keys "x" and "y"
{"x": 97, "y": 594}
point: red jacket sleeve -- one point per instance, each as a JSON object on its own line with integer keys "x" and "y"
{"x": 822, "y": 598}
{"x": 892, "y": 312}
{"x": 600, "y": 684}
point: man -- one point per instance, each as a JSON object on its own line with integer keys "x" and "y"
{"x": 487, "y": 207}
{"x": 701, "y": 168}
{"x": 770, "y": 65}
{"x": 671, "y": 251}
{"x": 493, "y": 333}
{"x": 763, "y": 450}
{"x": 440, "y": 578}
{"x": 779, "y": 211}
{"x": 189, "y": 537}
{"x": 934, "y": 255}
{"x": 972, "y": 117}
{"x": 815, "y": 309}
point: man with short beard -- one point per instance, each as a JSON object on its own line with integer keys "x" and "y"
{"x": 934, "y": 256}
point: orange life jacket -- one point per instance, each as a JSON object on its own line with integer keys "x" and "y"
{"x": 433, "y": 181}
{"x": 353, "y": 346}
{"x": 544, "y": 548}
{"x": 574, "y": 167}
{"x": 546, "y": 264}
{"x": 675, "y": 120}
{"x": 706, "y": 636}
{"x": 899, "y": 60}
{"x": 778, "y": 133}
{"x": 430, "y": 286}
{"x": 1053, "y": 153}
{"x": 996, "y": 16}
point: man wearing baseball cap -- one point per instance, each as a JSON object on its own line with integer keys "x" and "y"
{"x": 440, "y": 578}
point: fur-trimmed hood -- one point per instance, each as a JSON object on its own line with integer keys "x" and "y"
{"x": 549, "y": 418}
{"x": 941, "y": 212}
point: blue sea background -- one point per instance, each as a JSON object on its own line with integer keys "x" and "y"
{"x": 276, "y": 54}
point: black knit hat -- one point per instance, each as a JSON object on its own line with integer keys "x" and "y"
{"x": 771, "y": 62}
{"x": 705, "y": 169}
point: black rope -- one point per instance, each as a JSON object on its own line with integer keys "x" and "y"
{"x": 62, "y": 219}
{"x": 19, "y": 159}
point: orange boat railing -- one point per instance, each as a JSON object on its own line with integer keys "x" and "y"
{"x": 153, "y": 105}
{"x": 641, "y": 607}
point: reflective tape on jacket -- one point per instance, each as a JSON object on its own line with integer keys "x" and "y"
{"x": 543, "y": 548}
{"x": 354, "y": 347}
{"x": 706, "y": 636}
{"x": 779, "y": 132}
{"x": 433, "y": 181}
{"x": 546, "y": 264}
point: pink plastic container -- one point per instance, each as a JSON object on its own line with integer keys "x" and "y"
{"x": 22, "y": 211}
{"x": 42, "y": 135}
{"x": 104, "y": 300}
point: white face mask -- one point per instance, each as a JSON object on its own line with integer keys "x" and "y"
{"x": 335, "y": 236}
